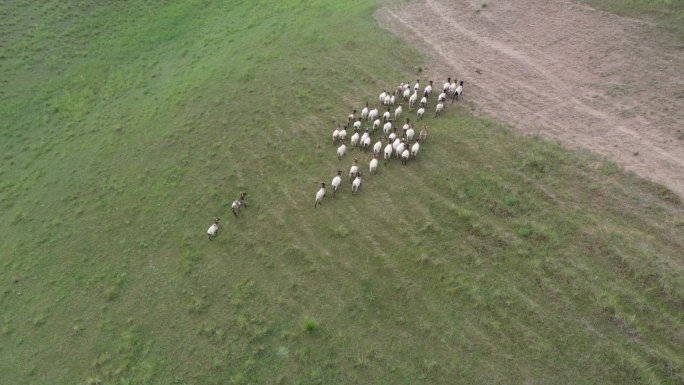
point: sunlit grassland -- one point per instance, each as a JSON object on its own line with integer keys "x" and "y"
{"x": 126, "y": 127}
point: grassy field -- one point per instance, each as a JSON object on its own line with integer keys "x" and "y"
{"x": 667, "y": 13}
{"x": 128, "y": 126}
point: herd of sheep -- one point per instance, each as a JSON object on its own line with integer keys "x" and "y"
{"x": 398, "y": 145}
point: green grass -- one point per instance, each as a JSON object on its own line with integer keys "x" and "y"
{"x": 668, "y": 13}
{"x": 128, "y": 126}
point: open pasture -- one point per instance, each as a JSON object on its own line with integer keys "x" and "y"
{"x": 127, "y": 127}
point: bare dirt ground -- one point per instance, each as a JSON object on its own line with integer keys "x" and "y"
{"x": 588, "y": 78}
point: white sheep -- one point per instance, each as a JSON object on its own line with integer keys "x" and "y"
{"x": 357, "y": 125}
{"x": 387, "y": 115}
{"x": 320, "y": 195}
{"x": 428, "y": 90}
{"x": 420, "y": 113}
{"x": 388, "y": 152}
{"x": 410, "y": 133}
{"x": 364, "y": 112}
{"x": 376, "y": 124}
{"x": 392, "y": 137}
{"x": 445, "y": 88}
{"x": 388, "y": 99}
{"x": 351, "y": 118}
{"x": 400, "y": 149}
{"x": 354, "y": 169}
{"x": 377, "y": 147}
{"x": 452, "y": 87}
{"x": 382, "y": 96}
{"x": 373, "y": 164}
{"x": 392, "y": 100}
{"x": 337, "y": 180}
{"x": 336, "y": 134}
{"x": 396, "y": 142}
{"x": 407, "y": 125}
{"x": 457, "y": 92}
{"x": 397, "y": 112}
{"x": 415, "y": 148}
{"x": 413, "y": 99}
{"x": 238, "y": 204}
{"x": 355, "y": 138}
{"x": 372, "y": 114}
{"x": 341, "y": 150}
{"x": 407, "y": 93}
{"x": 423, "y": 101}
{"x": 387, "y": 128}
{"x": 365, "y": 140}
{"x": 213, "y": 229}
{"x": 357, "y": 183}
{"x": 343, "y": 134}
{"x": 439, "y": 108}
{"x": 416, "y": 88}
{"x": 442, "y": 97}
{"x": 405, "y": 156}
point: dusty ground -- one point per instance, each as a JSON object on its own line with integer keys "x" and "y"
{"x": 561, "y": 69}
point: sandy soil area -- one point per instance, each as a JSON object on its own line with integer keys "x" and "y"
{"x": 588, "y": 78}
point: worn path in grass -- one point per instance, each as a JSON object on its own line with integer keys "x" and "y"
{"x": 567, "y": 71}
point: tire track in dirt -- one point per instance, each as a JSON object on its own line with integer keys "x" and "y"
{"x": 563, "y": 70}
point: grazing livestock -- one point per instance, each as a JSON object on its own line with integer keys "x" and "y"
{"x": 357, "y": 183}
{"x": 351, "y": 118}
{"x": 388, "y": 152}
{"x": 423, "y": 134}
{"x": 413, "y": 99}
{"x": 341, "y": 150}
{"x": 439, "y": 108}
{"x": 238, "y": 204}
{"x": 428, "y": 90}
{"x": 337, "y": 180}
{"x": 457, "y": 92}
{"x": 336, "y": 134}
{"x": 320, "y": 195}
{"x": 420, "y": 113}
{"x": 364, "y": 112}
{"x": 445, "y": 88}
{"x": 213, "y": 229}
{"x": 397, "y": 112}
{"x": 373, "y": 164}
{"x": 365, "y": 140}
{"x": 407, "y": 92}
{"x": 355, "y": 138}
{"x": 405, "y": 156}
{"x": 400, "y": 149}
{"x": 373, "y": 114}
{"x": 410, "y": 133}
{"x": 343, "y": 134}
{"x": 387, "y": 127}
{"x": 354, "y": 170}
{"x": 377, "y": 147}
{"x": 415, "y": 148}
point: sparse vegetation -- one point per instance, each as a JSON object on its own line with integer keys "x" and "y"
{"x": 310, "y": 325}
{"x": 129, "y": 126}
{"x": 669, "y": 13}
